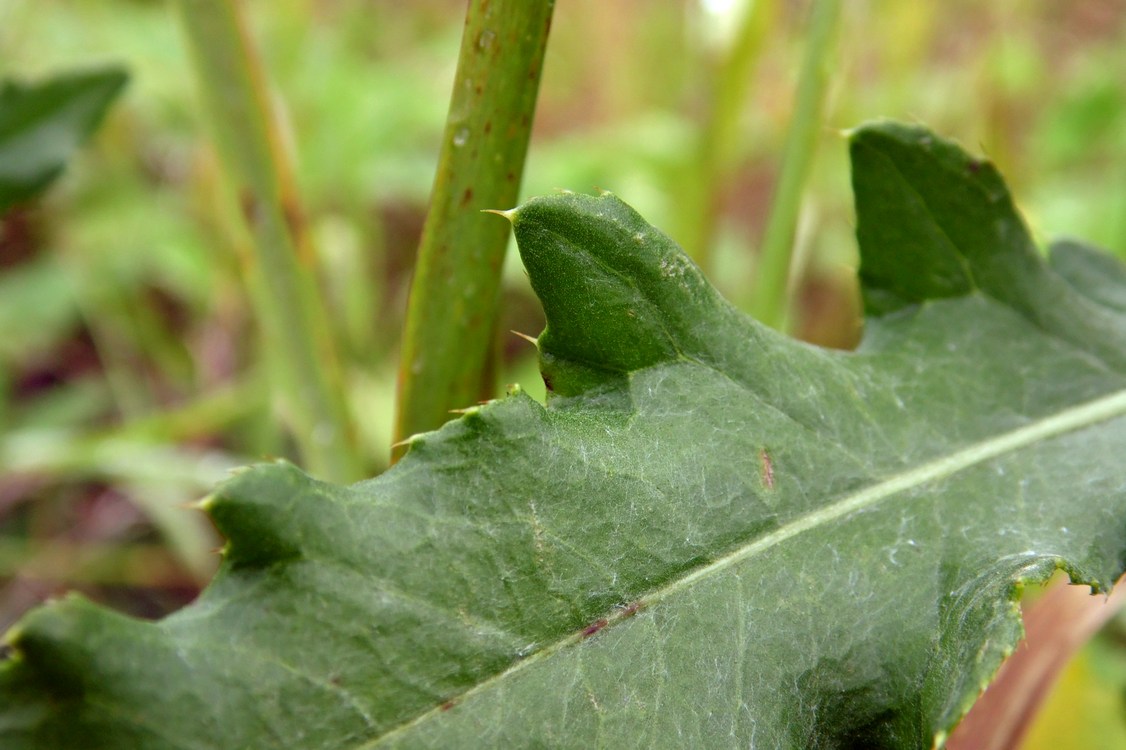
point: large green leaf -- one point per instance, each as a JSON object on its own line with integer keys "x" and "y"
{"x": 712, "y": 537}
{"x": 41, "y": 124}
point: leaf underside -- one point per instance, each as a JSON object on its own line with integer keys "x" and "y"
{"x": 712, "y": 536}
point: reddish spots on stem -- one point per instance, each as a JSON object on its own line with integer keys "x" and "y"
{"x": 448, "y": 705}
{"x": 594, "y": 627}
{"x": 488, "y": 127}
{"x": 767, "y": 469}
{"x": 973, "y": 166}
{"x": 631, "y": 609}
{"x": 467, "y": 196}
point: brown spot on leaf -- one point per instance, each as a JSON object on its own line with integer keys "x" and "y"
{"x": 631, "y": 609}
{"x": 594, "y": 627}
{"x": 767, "y": 469}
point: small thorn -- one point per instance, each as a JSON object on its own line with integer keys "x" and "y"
{"x": 402, "y": 443}
{"x": 466, "y": 410}
{"x": 533, "y": 341}
{"x": 510, "y": 214}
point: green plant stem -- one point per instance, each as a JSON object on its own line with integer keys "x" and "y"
{"x": 712, "y": 164}
{"x": 282, "y": 274}
{"x": 449, "y": 332}
{"x": 769, "y": 300}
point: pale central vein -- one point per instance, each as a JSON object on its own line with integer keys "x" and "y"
{"x": 1085, "y": 415}
{"x": 1069, "y": 420}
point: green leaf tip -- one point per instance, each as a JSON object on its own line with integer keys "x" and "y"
{"x": 618, "y": 294}
{"x": 958, "y": 216}
{"x": 261, "y": 513}
{"x": 934, "y": 222}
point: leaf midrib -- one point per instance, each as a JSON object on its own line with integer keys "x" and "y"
{"x": 1068, "y": 420}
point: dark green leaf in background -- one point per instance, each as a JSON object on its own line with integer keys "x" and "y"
{"x": 713, "y": 536}
{"x": 41, "y": 124}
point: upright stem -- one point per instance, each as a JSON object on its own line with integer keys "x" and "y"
{"x": 769, "y": 300}
{"x": 282, "y": 273}
{"x": 448, "y": 338}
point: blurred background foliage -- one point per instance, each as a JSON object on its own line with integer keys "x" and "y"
{"x": 130, "y": 380}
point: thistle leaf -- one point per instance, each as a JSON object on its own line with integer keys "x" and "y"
{"x": 712, "y": 536}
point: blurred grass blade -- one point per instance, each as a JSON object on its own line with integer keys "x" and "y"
{"x": 712, "y": 164}
{"x": 288, "y": 303}
{"x": 42, "y": 124}
{"x": 448, "y": 335}
{"x": 768, "y": 300}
